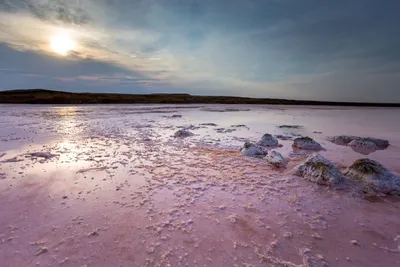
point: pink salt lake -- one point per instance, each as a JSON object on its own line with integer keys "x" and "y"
{"x": 119, "y": 190}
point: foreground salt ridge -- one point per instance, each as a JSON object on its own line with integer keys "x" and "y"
{"x": 153, "y": 200}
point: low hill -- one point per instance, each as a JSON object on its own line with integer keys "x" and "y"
{"x": 41, "y": 96}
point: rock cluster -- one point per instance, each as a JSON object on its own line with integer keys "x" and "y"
{"x": 259, "y": 151}
{"x": 362, "y": 145}
{"x": 367, "y": 174}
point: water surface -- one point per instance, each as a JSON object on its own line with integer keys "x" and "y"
{"x": 122, "y": 191}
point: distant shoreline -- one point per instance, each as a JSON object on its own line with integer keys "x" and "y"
{"x": 41, "y": 96}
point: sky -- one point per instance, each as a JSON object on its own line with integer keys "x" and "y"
{"x": 336, "y": 50}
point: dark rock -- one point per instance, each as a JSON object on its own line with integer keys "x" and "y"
{"x": 290, "y": 126}
{"x": 363, "y": 146}
{"x": 223, "y": 130}
{"x": 253, "y": 150}
{"x": 239, "y": 126}
{"x": 319, "y": 170}
{"x": 341, "y": 140}
{"x": 208, "y": 124}
{"x": 268, "y": 141}
{"x": 275, "y": 158}
{"x": 284, "y": 137}
{"x": 45, "y": 155}
{"x": 380, "y": 143}
{"x": 306, "y": 143}
{"x": 345, "y": 140}
{"x": 374, "y": 177}
{"x": 182, "y": 133}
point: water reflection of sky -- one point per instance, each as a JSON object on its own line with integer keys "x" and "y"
{"x": 71, "y": 125}
{"x": 120, "y": 174}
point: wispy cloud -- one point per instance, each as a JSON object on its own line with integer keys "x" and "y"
{"x": 291, "y": 49}
{"x": 31, "y": 26}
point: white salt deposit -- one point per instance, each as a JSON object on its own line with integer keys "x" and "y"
{"x": 123, "y": 192}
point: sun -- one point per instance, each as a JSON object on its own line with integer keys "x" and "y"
{"x": 62, "y": 44}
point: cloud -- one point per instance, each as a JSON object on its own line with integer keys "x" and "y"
{"x": 25, "y": 30}
{"x": 285, "y": 48}
{"x": 66, "y": 11}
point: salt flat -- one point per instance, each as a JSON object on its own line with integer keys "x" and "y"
{"x": 110, "y": 185}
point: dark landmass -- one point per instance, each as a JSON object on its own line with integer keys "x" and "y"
{"x": 41, "y": 96}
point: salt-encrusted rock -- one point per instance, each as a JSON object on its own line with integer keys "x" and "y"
{"x": 318, "y": 169}
{"x": 341, "y": 140}
{"x": 345, "y": 140}
{"x": 284, "y": 137}
{"x": 363, "y": 146}
{"x": 208, "y": 124}
{"x": 12, "y": 160}
{"x": 306, "y": 143}
{"x": 191, "y": 127}
{"x": 380, "y": 143}
{"x": 290, "y": 126}
{"x": 275, "y": 158}
{"x": 183, "y": 133}
{"x": 268, "y": 140}
{"x": 46, "y": 155}
{"x": 223, "y": 130}
{"x": 253, "y": 150}
{"x": 374, "y": 177}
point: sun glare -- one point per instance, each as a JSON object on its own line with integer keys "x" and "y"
{"x": 62, "y": 44}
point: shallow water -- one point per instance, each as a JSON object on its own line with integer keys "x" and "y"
{"x": 121, "y": 191}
